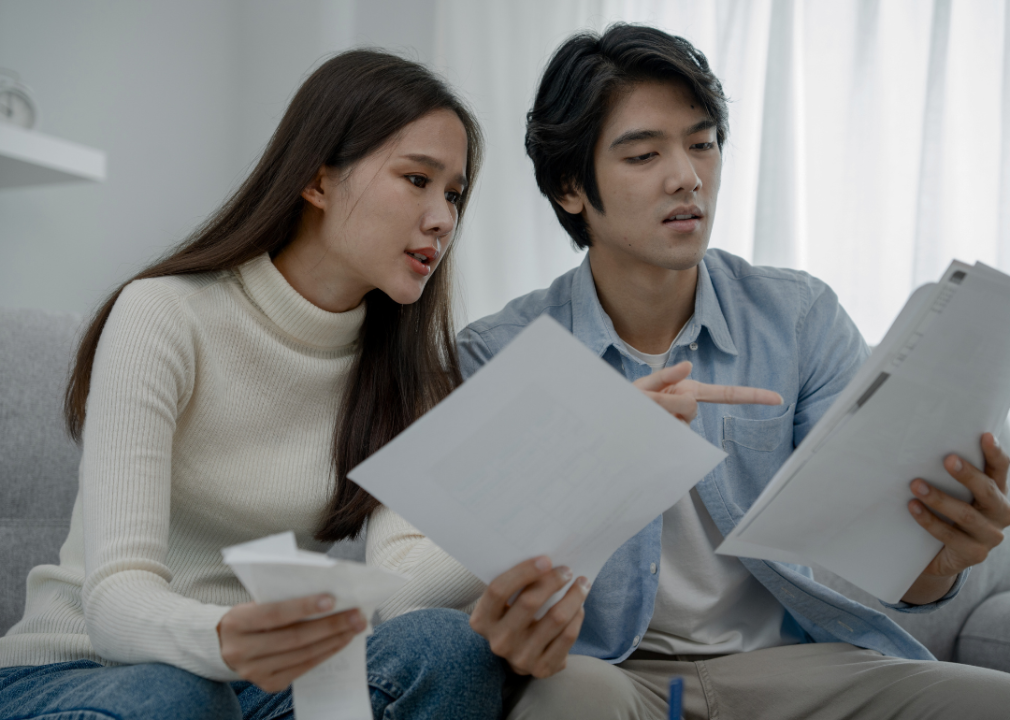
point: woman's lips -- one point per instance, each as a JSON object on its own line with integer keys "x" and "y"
{"x": 417, "y": 266}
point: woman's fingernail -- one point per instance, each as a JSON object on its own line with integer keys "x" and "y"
{"x": 583, "y": 584}
{"x": 920, "y": 488}
{"x": 358, "y": 621}
{"x": 326, "y": 602}
{"x": 955, "y": 463}
{"x": 542, "y": 564}
{"x": 565, "y": 573}
{"x": 916, "y": 508}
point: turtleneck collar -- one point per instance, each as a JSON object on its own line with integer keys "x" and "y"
{"x": 292, "y": 313}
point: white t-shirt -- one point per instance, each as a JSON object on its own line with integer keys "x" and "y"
{"x": 706, "y": 604}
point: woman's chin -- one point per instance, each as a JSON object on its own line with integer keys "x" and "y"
{"x": 405, "y": 295}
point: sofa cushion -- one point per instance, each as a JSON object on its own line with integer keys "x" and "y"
{"x": 38, "y": 461}
{"x": 353, "y": 549}
{"x": 938, "y": 630}
{"x": 985, "y": 638}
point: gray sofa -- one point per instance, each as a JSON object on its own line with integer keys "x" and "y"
{"x": 38, "y": 483}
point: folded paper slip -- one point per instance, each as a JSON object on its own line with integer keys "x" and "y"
{"x": 935, "y": 384}
{"x": 274, "y": 569}
{"x": 545, "y": 450}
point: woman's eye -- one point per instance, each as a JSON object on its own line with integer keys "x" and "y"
{"x": 417, "y": 180}
{"x": 641, "y": 158}
{"x": 703, "y": 146}
{"x": 453, "y": 197}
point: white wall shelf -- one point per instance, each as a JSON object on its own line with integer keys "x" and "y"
{"x": 28, "y": 157}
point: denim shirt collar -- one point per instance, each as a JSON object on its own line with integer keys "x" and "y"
{"x": 592, "y": 325}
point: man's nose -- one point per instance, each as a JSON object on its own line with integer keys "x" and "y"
{"x": 681, "y": 175}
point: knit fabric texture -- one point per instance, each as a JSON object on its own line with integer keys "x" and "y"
{"x": 209, "y": 423}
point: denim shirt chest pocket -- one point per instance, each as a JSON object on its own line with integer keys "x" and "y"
{"x": 756, "y": 448}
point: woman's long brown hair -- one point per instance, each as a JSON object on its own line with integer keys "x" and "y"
{"x": 406, "y": 360}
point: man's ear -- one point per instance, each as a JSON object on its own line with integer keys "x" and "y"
{"x": 315, "y": 193}
{"x": 572, "y": 202}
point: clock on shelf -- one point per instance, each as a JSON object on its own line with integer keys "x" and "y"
{"x": 17, "y": 106}
{"x": 29, "y": 157}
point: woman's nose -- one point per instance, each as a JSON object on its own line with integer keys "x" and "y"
{"x": 439, "y": 220}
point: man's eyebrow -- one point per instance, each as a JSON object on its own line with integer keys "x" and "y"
{"x": 633, "y": 136}
{"x": 435, "y": 164}
{"x": 700, "y": 125}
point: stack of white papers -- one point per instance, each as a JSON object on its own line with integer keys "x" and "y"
{"x": 935, "y": 384}
{"x": 274, "y": 569}
{"x": 545, "y": 450}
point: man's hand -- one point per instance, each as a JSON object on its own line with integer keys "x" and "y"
{"x": 978, "y": 526}
{"x": 532, "y": 647}
{"x": 271, "y": 644}
{"x": 680, "y": 397}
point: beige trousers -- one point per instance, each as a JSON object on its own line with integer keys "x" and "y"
{"x": 823, "y": 681}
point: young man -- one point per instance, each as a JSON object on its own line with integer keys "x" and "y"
{"x": 626, "y": 137}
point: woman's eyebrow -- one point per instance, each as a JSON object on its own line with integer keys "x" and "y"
{"x": 435, "y": 164}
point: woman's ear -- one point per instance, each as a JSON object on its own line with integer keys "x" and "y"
{"x": 315, "y": 192}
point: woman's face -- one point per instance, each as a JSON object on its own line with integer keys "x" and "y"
{"x": 386, "y": 222}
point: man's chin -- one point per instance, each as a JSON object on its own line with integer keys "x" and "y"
{"x": 661, "y": 255}
{"x": 683, "y": 258}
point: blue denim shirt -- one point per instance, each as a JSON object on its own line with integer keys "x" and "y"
{"x": 764, "y": 327}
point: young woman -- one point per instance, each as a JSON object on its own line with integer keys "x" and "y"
{"x": 219, "y": 392}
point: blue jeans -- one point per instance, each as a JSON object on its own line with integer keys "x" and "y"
{"x": 426, "y": 664}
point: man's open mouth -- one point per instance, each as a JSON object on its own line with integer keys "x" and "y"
{"x": 684, "y": 213}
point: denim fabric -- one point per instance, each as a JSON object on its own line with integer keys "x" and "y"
{"x": 764, "y": 327}
{"x": 426, "y": 664}
{"x": 431, "y": 664}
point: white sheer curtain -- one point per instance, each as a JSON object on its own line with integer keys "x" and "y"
{"x": 869, "y": 139}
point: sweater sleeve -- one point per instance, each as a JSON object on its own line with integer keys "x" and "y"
{"x": 436, "y": 578}
{"x": 142, "y": 378}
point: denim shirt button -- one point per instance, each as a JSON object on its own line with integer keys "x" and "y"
{"x": 693, "y": 346}
{"x": 636, "y": 640}
{"x": 652, "y": 568}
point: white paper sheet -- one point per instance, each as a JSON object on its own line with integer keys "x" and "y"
{"x": 274, "y": 569}
{"x": 937, "y": 382}
{"x": 545, "y": 450}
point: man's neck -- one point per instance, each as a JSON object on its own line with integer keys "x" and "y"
{"x": 648, "y": 305}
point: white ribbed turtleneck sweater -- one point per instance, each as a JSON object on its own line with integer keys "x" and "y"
{"x": 210, "y": 422}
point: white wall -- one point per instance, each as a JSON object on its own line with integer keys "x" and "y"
{"x": 182, "y": 96}
{"x": 280, "y": 44}
{"x": 152, "y": 84}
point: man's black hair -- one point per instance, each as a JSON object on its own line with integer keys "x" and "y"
{"x": 577, "y": 90}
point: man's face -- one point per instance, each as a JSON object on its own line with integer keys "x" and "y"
{"x": 657, "y": 167}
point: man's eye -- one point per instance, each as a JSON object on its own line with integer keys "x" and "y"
{"x": 703, "y": 146}
{"x": 417, "y": 180}
{"x": 641, "y": 158}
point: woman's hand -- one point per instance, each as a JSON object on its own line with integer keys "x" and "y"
{"x": 680, "y": 397}
{"x": 272, "y": 644}
{"x": 531, "y": 647}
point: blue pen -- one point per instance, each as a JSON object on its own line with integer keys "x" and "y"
{"x": 676, "y": 692}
